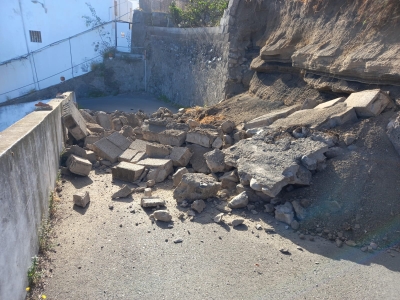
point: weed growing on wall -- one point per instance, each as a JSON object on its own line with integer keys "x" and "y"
{"x": 198, "y": 13}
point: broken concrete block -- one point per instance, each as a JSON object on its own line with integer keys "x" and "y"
{"x": 127, "y": 171}
{"x": 94, "y": 127}
{"x": 270, "y": 167}
{"x": 157, "y": 150}
{"x": 81, "y": 199}
{"x": 138, "y": 157}
{"x": 91, "y": 156}
{"x": 162, "y": 215}
{"x": 237, "y": 222}
{"x": 106, "y": 149}
{"x": 127, "y": 155}
{"x": 269, "y": 118}
{"x": 217, "y": 144}
{"x": 284, "y": 213}
{"x": 239, "y": 201}
{"x": 198, "y": 205}
{"x": 159, "y": 169}
{"x": 239, "y": 135}
{"x": 138, "y": 145}
{"x": 104, "y": 120}
{"x": 119, "y": 140}
{"x": 196, "y": 187}
{"x": 91, "y": 139}
{"x": 152, "y": 202}
{"x": 231, "y": 176}
{"x": 215, "y": 161}
{"x": 78, "y": 165}
{"x": 227, "y": 126}
{"x": 172, "y": 137}
{"x": 77, "y": 151}
{"x": 73, "y": 120}
{"x": 330, "y": 103}
{"x": 202, "y": 137}
{"x": 177, "y": 177}
{"x": 197, "y": 160}
{"x": 88, "y": 117}
{"x": 147, "y": 192}
{"x": 227, "y": 139}
{"x": 152, "y": 127}
{"x": 123, "y": 192}
{"x": 368, "y": 103}
{"x": 180, "y": 156}
{"x": 349, "y": 138}
{"x": 116, "y": 124}
{"x": 301, "y": 212}
{"x": 127, "y": 131}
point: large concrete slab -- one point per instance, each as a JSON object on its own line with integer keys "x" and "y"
{"x": 368, "y": 103}
{"x": 119, "y": 140}
{"x": 330, "y": 103}
{"x": 106, "y": 149}
{"x": 271, "y": 117}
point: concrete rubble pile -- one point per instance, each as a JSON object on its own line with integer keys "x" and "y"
{"x": 246, "y": 169}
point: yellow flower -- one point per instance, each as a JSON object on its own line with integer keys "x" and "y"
{"x": 28, "y": 289}
{"x": 44, "y": 297}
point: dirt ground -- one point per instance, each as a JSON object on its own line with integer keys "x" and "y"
{"x": 118, "y": 253}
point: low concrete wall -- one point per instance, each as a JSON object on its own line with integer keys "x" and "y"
{"x": 29, "y": 161}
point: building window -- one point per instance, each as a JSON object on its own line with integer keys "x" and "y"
{"x": 36, "y": 36}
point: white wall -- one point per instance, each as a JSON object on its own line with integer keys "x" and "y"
{"x": 56, "y": 20}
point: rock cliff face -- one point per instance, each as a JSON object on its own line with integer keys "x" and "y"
{"x": 331, "y": 43}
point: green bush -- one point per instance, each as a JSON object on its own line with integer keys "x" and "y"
{"x": 198, "y": 13}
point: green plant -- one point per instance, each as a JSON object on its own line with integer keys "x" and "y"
{"x": 33, "y": 272}
{"x": 198, "y": 13}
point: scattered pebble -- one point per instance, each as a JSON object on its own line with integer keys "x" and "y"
{"x": 177, "y": 241}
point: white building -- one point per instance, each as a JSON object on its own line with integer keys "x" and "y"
{"x": 26, "y": 26}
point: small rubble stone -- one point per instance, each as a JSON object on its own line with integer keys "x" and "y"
{"x": 349, "y": 138}
{"x": 196, "y": 187}
{"x": 301, "y": 213}
{"x": 198, "y": 205}
{"x": 295, "y": 225}
{"x": 180, "y": 156}
{"x": 191, "y": 213}
{"x": 79, "y": 166}
{"x": 339, "y": 243}
{"x": 237, "y": 222}
{"x": 150, "y": 183}
{"x": 91, "y": 156}
{"x": 177, "y": 177}
{"x": 284, "y": 251}
{"x": 351, "y": 243}
{"x": 147, "y": 192}
{"x": 227, "y": 126}
{"x": 218, "y": 218}
{"x": 152, "y": 202}
{"x": 123, "y": 192}
{"x": 81, "y": 199}
{"x": 127, "y": 171}
{"x": 284, "y": 213}
{"x": 193, "y": 124}
{"x": 218, "y": 143}
{"x": 239, "y": 201}
{"x": 162, "y": 215}
{"x": 104, "y": 120}
{"x": 269, "y": 208}
{"x": 197, "y": 160}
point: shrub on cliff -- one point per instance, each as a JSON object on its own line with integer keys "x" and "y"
{"x": 198, "y": 13}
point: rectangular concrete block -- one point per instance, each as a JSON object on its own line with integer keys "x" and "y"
{"x": 201, "y": 137}
{"x": 78, "y": 151}
{"x": 157, "y": 150}
{"x": 106, "y": 149}
{"x": 368, "y": 103}
{"x": 91, "y": 139}
{"x": 139, "y": 145}
{"x": 91, "y": 156}
{"x": 127, "y": 171}
{"x": 73, "y": 120}
{"x": 138, "y": 157}
{"x": 127, "y": 155}
{"x": 172, "y": 137}
{"x": 159, "y": 168}
{"x": 78, "y": 165}
{"x": 119, "y": 140}
{"x": 180, "y": 156}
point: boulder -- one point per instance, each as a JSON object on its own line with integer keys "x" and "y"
{"x": 78, "y": 165}
{"x": 81, "y": 199}
{"x": 239, "y": 201}
{"x": 284, "y": 213}
{"x": 177, "y": 177}
{"x": 368, "y": 103}
{"x": 196, "y": 187}
{"x": 162, "y": 215}
{"x": 215, "y": 161}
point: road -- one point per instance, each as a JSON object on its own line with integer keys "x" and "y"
{"x": 125, "y": 102}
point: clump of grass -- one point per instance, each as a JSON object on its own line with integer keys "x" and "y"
{"x": 34, "y": 274}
